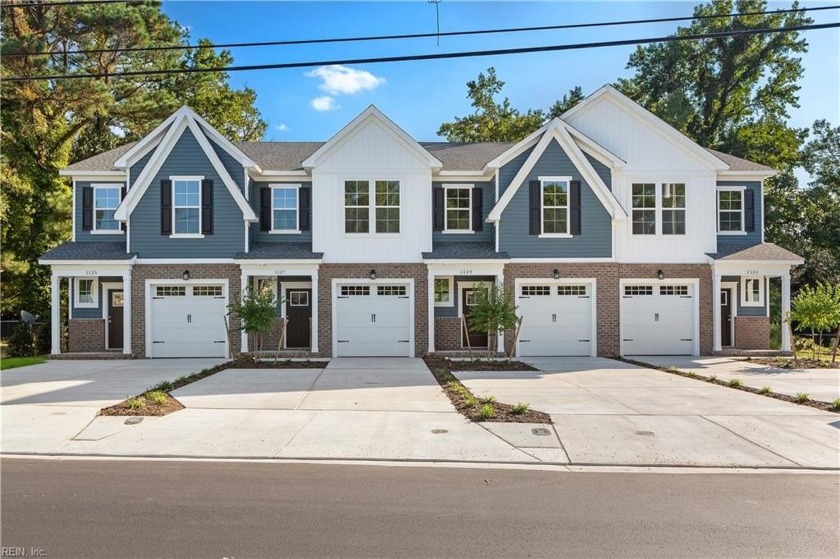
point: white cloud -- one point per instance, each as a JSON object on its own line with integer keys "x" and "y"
{"x": 281, "y": 127}
{"x": 341, "y": 80}
{"x": 325, "y": 103}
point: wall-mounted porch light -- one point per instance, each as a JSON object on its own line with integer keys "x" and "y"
{"x": 556, "y": 273}
{"x": 372, "y": 274}
{"x": 660, "y": 274}
{"x": 186, "y": 275}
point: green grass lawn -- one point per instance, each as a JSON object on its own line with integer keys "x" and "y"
{"x": 13, "y": 362}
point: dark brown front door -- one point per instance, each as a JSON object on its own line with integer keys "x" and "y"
{"x": 115, "y": 319}
{"x": 726, "y": 317}
{"x": 476, "y": 339}
{"x": 299, "y": 314}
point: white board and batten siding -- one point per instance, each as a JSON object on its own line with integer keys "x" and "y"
{"x": 372, "y": 147}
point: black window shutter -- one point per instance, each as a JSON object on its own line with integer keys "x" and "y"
{"x": 477, "y": 209}
{"x": 87, "y": 208}
{"x": 165, "y": 207}
{"x": 535, "y": 206}
{"x": 122, "y": 197}
{"x": 304, "y": 205}
{"x": 438, "y": 208}
{"x": 749, "y": 210}
{"x": 265, "y": 209}
{"x": 574, "y": 208}
{"x": 207, "y": 207}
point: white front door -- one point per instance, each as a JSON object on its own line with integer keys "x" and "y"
{"x": 657, "y": 319}
{"x": 556, "y": 319}
{"x": 373, "y": 320}
{"x": 188, "y": 320}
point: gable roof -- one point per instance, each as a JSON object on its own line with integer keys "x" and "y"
{"x": 738, "y": 163}
{"x": 371, "y": 114}
{"x": 754, "y": 253}
{"x": 557, "y": 130}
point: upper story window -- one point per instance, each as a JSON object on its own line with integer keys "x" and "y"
{"x": 106, "y": 198}
{"x": 555, "y": 205}
{"x": 458, "y": 209}
{"x": 363, "y": 198}
{"x": 186, "y": 205}
{"x": 85, "y": 296}
{"x": 658, "y": 211}
{"x": 284, "y": 209}
{"x": 731, "y": 210}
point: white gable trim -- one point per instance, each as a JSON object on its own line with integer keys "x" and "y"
{"x": 594, "y": 149}
{"x": 169, "y": 141}
{"x": 517, "y": 149}
{"x": 149, "y": 142}
{"x": 674, "y": 136}
{"x": 225, "y": 144}
{"x": 371, "y": 114}
{"x": 557, "y": 131}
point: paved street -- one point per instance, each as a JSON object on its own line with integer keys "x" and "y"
{"x": 75, "y": 508}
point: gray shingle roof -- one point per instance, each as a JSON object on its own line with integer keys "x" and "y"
{"x": 465, "y": 251}
{"x": 764, "y": 251}
{"x": 280, "y": 251}
{"x": 89, "y": 251}
{"x": 465, "y": 157}
{"x": 737, "y": 163}
{"x": 279, "y": 156}
{"x": 103, "y": 161}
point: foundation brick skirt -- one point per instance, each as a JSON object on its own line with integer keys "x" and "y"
{"x": 752, "y": 332}
{"x": 448, "y": 334}
{"x": 86, "y": 335}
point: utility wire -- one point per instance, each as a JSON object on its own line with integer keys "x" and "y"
{"x": 442, "y": 56}
{"x": 416, "y": 35}
{"x": 9, "y": 5}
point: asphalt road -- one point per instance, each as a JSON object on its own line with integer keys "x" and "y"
{"x": 75, "y": 508}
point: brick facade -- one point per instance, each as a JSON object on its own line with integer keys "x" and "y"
{"x": 448, "y": 334}
{"x": 752, "y": 332}
{"x": 142, "y": 272}
{"x": 86, "y": 335}
{"x": 384, "y": 272}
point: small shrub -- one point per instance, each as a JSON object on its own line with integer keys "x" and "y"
{"x": 164, "y": 386}
{"x": 835, "y": 405}
{"x": 735, "y": 383}
{"x": 691, "y": 374}
{"x": 712, "y": 378}
{"x": 802, "y": 396}
{"x": 490, "y": 399}
{"x": 487, "y": 411}
{"x": 764, "y": 390}
{"x": 42, "y": 339}
{"x": 471, "y": 400}
{"x": 156, "y": 397}
{"x": 135, "y": 403}
{"x": 20, "y": 343}
{"x": 674, "y": 370}
{"x": 522, "y": 408}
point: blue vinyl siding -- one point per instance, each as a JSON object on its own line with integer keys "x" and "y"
{"x": 509, "y": 170}
{"x": 602, "y": 170}
{"x": 747, "y": 311}
{"x": 228, "y": 238}
{"x": 752, "y": 237}
{"x": 485, "y": 236}
{"x": 86, "y": 236}
{"x": 259, "y": 236}
{"x": 595, "y": 240}
{"x": 138, "y": 167}
{"x": 231, "y": 165}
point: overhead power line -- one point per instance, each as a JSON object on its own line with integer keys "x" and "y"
{"x": 440, "y": 56}
{"x": 416, "y": 35}
{"x": 9, "y": 5}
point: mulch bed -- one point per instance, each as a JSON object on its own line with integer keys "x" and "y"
{"x": 459, "y": 395}
{"x": 150, "y": 408}
{"x": 825, "y": 406}
{"x": 790, "y": 363}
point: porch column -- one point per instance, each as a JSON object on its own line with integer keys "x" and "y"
{"x": 55, "y": 314}
{"x": 430, "y": 301}
{"x": 500, "y": 340}
{"x": 243, "y": 285}
{"x": 314, "y": 330}
{"x": 785, "y": 311}
{"x": 126, "y": 278}
{"x": 718, "y": 344}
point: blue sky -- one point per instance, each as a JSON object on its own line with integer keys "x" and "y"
{"x": 312, "y": 104}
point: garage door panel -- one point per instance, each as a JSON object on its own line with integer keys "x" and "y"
{"x": 556, "y": 319}
{"x": 658, "y": 319}
{"x": 188, "y": 321}
{"x": 373, "y": 321}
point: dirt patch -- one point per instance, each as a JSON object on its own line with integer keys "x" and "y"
{"x": 482, "y": 409}
{"x": 145, "y": 406}
{"x": 791, "y": 363}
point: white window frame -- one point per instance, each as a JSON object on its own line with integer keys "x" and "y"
{"x": 567, "y": 234}
{"x": 94, "y": 293}
{"x": 375, "y": 207}
{"x": 273, "y": 279}
{"x": 451, "y": 282}
{"x": 661, "y": 209}
{"x": 741, "y": 189}
{"x": 658, "y": 208}
{"x": 371, "y": 207}
{"x": 283, "y": 186}
{"x": 745, "y": 301}
{"x": 176, "y": 235}
{"x": 96, "y": 187}
{"x": 446, "y": 189}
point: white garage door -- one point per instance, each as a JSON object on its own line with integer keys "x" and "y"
{"x": 556, "y": 319}
{"x": 657, "y": 319}
{"x": 187, "y": 320}
{"x": 373, "y": 320}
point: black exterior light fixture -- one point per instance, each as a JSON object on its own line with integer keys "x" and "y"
{"x": 372, "y": 274}
{"x": 556, "y": 273}
{"x": 660, "y": 274}
{"x": 186, "y": 275}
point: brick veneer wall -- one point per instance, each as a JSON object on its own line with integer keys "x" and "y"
{"x": 608, "y": 297}
{"x": 752, "y": 332}
{"x": 384, "y": 272}
{"x": 86, "y": 335}
{"x": 141, "y": 272}
{"x": 448, "y": 334}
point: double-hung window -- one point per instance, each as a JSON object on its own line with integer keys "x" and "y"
{"x": 85, "y": 296}
{"x": 673, "y": 208}
{"x": 752, "y": 291}
{"x": 644, "y": 208}
{"x": 186, "y": 205}
{"x": 458, "y": 217}
{"x": 381, "y": 198}
{"x": 555, "y": 205}
{"x": 284, "y": 209}
{"x": 731, "y": 211}
{"x": 443, "y": 292}
{"x": 658, "y": 208}
{"x": 106, "y": 198}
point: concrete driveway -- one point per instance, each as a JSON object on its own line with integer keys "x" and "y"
{"x": 610, "y": 412}
{"x": 819, "y": 384}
